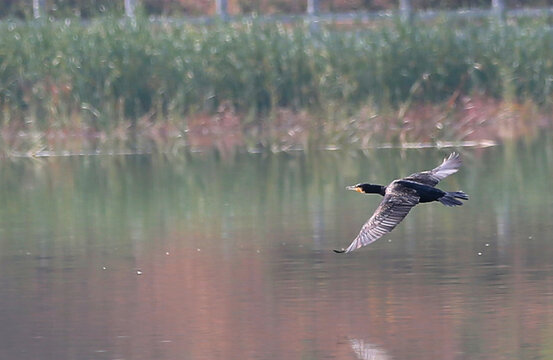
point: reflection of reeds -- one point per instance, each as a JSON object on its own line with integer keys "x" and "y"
{"x": 428, "y": 295}
{"x": 112, "y": 77}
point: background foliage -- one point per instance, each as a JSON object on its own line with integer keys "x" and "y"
{"x": 88, "y": 8}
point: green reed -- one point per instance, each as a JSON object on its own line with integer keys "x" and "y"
{"x": 109, "y": 70}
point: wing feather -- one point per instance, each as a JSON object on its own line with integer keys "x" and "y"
{"x": 449, "y": 166}
{"x": 391, "y": 211}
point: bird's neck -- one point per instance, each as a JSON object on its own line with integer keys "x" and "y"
{"x": 375, "y": 189}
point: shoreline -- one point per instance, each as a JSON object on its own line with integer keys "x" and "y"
{"x": 471, "y": 122}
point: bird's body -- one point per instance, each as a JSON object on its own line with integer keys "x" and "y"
{"x": 401, "y": 195}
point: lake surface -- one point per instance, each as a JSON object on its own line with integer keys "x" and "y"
{"x": 210, "y": 257}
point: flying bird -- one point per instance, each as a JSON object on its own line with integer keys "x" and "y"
{"x": 401, "y": 195}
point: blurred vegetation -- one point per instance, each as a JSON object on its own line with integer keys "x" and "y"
{"x": 113, "y": 69}
{"x": 111, "y": 75}
{"x": 89, "y": 8}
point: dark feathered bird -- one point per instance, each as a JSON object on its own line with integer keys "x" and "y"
{"x": 401, "y": 195}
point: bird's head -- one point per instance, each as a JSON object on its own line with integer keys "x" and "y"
{"x": 367, "y": 188}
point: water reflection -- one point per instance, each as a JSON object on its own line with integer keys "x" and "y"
{"x": 367, "y": 351}
{"x": 235, "y": 259}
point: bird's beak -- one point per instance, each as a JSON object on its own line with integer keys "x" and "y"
{"x": 354, "y": 188}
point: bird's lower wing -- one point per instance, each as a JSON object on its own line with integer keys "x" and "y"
{"x": 391, "y": 211}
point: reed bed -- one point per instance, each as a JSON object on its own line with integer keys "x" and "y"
{"x": 109, "y": 73}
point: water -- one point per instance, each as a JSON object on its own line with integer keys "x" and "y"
{"x": 203, "y": 257}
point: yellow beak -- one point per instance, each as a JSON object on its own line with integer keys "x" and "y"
{"x": 354, "y": 188}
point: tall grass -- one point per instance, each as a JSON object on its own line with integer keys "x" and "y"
{"x": 110, "y": 70}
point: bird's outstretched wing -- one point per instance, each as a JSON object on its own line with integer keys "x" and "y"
{"x": 387, "y": 215}
{"x": 449, "y": 166}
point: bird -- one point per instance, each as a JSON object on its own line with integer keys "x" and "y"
{"x": 401, "y": 195}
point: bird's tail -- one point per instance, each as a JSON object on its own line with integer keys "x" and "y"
{"x": 450, "y": 198}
